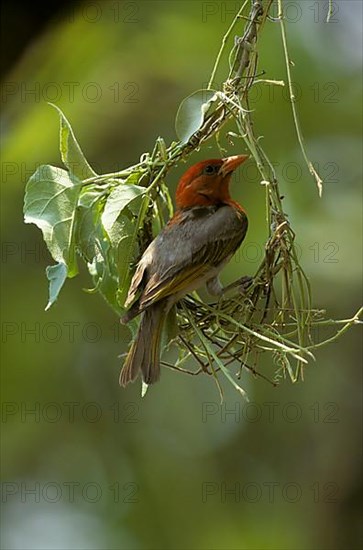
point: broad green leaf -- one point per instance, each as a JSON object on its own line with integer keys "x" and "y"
{"x": 191, "y": 113}
{"x": 71, "y": 153}
{"x": 106, "y": 278}
{"x": 101, "y": 251}
{"x": 125, "y": 253}
{"x": 56, "y": 274}
{"x": 121, "y": 229}
{"x": 51, "y": 198}
{"x": 89, "y": 227}
{"x": 127, "y": 250}
{"x": 133, "y": 208}
{"x": 105, "y": 251}
{"x": 115, "y": 256}
{"x": 118, "y": 199}
{"x": 107, "y": 285}
{"x": 89, "y": 195}
{"x": 89, "y": 230}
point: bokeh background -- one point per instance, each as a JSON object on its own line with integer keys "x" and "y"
{"x": 86, "y": 465}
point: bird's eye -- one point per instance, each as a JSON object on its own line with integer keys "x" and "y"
{"x": 210, "y": 169}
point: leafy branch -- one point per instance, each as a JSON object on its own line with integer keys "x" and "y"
{"x": 107, "y": 220}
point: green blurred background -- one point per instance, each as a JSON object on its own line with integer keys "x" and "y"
{"x": 88, "y": 465}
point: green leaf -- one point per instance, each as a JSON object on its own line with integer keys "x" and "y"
{"x": 89, "y": 230}
{"x": 106, "y": 252}
{"x": 95, "y": 247}
{"x": 56, "y": 274}
{"x": 191, "y": 113}
{"x": 71, "y": 153}
{"x": 116, "y": 270}
{"x": 50, "y": 202}
{"x": 118, "y": 199}
{"x": 89, "y": 195}
{"x": 102, "y": 252}
{"x": 106, "y": 280}
{"x": 121, "y": 229}
{"x": 127, "y": 250}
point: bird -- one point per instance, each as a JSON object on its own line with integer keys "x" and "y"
{"x": 205, "y": 231}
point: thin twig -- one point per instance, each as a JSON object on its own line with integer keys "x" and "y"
{"x": 300, "y": 138}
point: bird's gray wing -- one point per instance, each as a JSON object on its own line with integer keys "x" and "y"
{"x": 186, "y": 251}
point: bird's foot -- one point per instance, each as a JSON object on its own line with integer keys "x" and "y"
{"x": 241, "y": 284}
{"x": 245, "y": 283}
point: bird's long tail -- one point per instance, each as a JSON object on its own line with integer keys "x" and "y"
{"x": 144, "y": 354}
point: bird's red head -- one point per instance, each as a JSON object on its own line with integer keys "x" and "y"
{"x": 207, "y": 182}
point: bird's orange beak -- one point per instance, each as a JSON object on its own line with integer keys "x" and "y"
{"x": 231, "y": 163}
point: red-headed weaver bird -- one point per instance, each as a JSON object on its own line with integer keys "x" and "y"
{"x": 205, "y": 231}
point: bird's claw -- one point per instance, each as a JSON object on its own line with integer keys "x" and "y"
{"x": 241, "y": 284}
{"x": 244, "y": 283}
